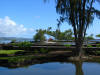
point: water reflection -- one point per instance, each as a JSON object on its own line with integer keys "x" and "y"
{"x": 78, "y": 66}
{"x": 29, "y": 66}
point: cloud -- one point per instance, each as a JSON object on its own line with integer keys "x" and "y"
{"x": 10, "y": 28}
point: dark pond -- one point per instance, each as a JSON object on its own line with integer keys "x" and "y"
{"x": 49, "y": 67}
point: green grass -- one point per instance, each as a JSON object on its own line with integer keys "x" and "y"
{"x": 89, "y": 46}
{"x": 9, "y": 51}
{"x": 67, "y": 45}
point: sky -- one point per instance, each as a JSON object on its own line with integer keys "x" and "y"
{"x": 21, "y": 18}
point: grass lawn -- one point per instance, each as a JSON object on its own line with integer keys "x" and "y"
{"x": 9, "y": 51}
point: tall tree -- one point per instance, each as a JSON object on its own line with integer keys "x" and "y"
{"x": 39, "y": 36}
{"x": 89, "y": 37}
{"x": 79, "y": 14}
{"x": 66, "y": 35}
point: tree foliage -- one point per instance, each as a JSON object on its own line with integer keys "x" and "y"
{"x": 89, "y": 37}
{"x": 39, "y": 36}
{"x": 98, "y": 35}
{"x": 58, "y": 35}
{"x": 79, "y": 14}
{"x": 66, "y": 35}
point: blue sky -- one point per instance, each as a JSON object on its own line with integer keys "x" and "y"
{"x": 21, "y": 18}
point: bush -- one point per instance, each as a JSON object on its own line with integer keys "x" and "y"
{"x": 98, "y": 52}
{"x": 89, "y": 46}
{"x": 22, "y": 44}
{"x": 68, "y": 45}
{"x": 36, "y": 51}
{"x": 98, "y": 45}
{"x": 42, "y": 50}
{"x": 13, "y": 41}
{"x": 14, "y": 44}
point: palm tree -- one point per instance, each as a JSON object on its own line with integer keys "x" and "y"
{"x": 79, "y": 14}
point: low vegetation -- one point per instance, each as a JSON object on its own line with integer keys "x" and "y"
{"x": 89, "y": 46}
{"x": 67, "y": 45}
{"x": 17, "y": 58}
{"x": 42, "y": 50}
{"x": 23, "y": 44}
{"x": 9, "y": 51}
{"x": 98, "y": 45}
{"x": 36, "y": 51}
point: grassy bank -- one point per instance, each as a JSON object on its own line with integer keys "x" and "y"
{"x": 9, "y": 51}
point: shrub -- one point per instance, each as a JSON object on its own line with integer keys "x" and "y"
{"x": 42, "y": 50}
{"x": 14, "y": 44}
{"x": 68, "y": 45}
{"x": 22, "y": 44}
{"x": 98, "y": 52}
{"x": 98, "y": 45}
{"x": 13, "y": 41}
{"x": 36, "y": 51}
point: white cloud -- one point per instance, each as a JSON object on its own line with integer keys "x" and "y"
{"x": 10, "y": 28}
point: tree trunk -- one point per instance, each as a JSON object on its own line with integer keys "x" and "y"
{"x": 79, "y": 50}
